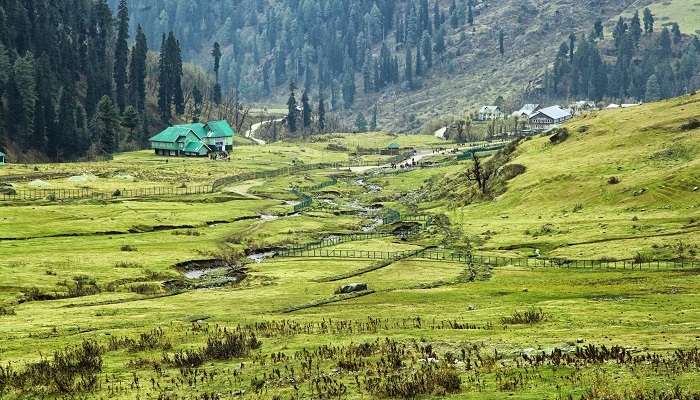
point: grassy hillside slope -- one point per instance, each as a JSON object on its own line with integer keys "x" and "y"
{"x": 567, "y": 202}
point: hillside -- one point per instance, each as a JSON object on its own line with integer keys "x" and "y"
{"x": 625, "y": 182}
{"x": 266, "y": 44}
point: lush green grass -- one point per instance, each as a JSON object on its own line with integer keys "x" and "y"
{"x": 562, "y": 205}
{"x": 685, "y": 12}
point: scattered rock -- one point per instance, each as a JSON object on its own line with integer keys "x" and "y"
{"x": 579, "y": 340}
{"x": 472, "y": 307}
{"x": 82, "y": 178}
{"x": 525, "y": 290}
{"x": 695, "y": 189}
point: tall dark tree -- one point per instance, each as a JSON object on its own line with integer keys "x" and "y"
{"x": 121, "y": 55}
{"x": 636, "y": 28}
{"x": 501, "y": 47}
{"x": 170, "y": 78}
{"x": 292, "y": 113}
{"x": 321, "y": 113}
{"x": 22, "y": 97}
{"x": 648, "y": 21}
{"x": 105, "y": 127}
{"x": 137, "y": 71}
{"x": 305, "y": 111}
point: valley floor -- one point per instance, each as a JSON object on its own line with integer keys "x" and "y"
{"x": 193, "y": 296}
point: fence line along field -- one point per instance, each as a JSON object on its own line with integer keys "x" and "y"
{"x": 292, "y": 274}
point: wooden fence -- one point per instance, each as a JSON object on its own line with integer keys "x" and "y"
{"x": 77, "y": 194}
{"x": 495, "y": 261}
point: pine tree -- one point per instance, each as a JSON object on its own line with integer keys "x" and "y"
{"x": 598, "y": 31}
{"x": 292, "y": 109}
{"x": 137, "y": 71}
{"x": 470, "y": 15}
{"x": 636, "y": 28}
{"x": 501, "y": 47}
{"x": 648, "y": 21}
{"x": 408, "y": 67}
{"x": 440, "y": 41}
{"x": 121, "y": 55}
{"x": 653, "y": 90}
{"x": 676, "y": 33}
{"x": 321, "y": 114}
{"x": 348, "y": 89}
{"x": 665, "y": 49}
{"x": 106, "y": 126}
{"x": 130, "y": 120}
{"x": 22, "y": 99}
{"x": 373, "y": 121}
{"x": 427, "y": 50}
{"x": 67, "y": 142}
{"x": 305, "y": 111}
{"x": 360, "y": 123}
{"x": 572, "y": 45}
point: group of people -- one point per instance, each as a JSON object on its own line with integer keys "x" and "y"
{"x": 407, "y": 164}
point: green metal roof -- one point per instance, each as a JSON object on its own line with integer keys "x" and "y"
{"x": 2, "y": 154}
{"x": 171, "y": 135}
{"x": 394, "y": 146}
{"x": 194, "y": 146}
{"x": 219, "y": 129}
{"x": 198, "y": 129}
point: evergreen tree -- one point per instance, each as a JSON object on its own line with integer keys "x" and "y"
{"x": 130, "y": 120}
{"x": 106, "y": 126}
{"x": 572, "y": 45}
{"x": 598, "y": 29}
{"x": 348, "y": 89}
{"x": 305, "y": 111}
{"x": 427, "y": 50}
{"x": 22, "y": 99}
{"x": 470, "y": 15}
{"x": 619, "y": 32}
{"x": 67, "y": 142}
{"x": 665, "y": 49}
{"x": 440, "y": 41}
{"x": 292, "y": 109}
{"x": 408, "y": 67}
{"x": 676, "y": 33}
{"x": 653, "y": 90}
{"x": 501, "y": 47}
{"x": 636, "y": 28}
{"x": 321, "y": 114}
{"x": 137, "y": 71}
{"x": 648, "y": 21}
{"x": 216, "y": 53}
{"x": 121, "y": 55}
{"x": 373, "y": 121}
{"x": 170, "y": 78}
{"x": 360, "y": 123}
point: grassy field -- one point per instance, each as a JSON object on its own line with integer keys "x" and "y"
{"x": 180, "y": 297}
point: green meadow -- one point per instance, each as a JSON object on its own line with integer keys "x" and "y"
{"x": 172, "y": 297}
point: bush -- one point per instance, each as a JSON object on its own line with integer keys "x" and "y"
{"x": 117, "y": 193}
{"x": 530, "y": 316}
{"x": 613, "y": 180}
{"x": 5, "y": 310}
{"x": 145, "y": 288}
{"x": 127, "y": 247}
{"x": 559, "y": 136}
{"x": 692, "y": 123}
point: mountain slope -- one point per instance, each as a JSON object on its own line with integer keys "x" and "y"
{"x": 566, "y": 203}
{"x": 267, "y": 43}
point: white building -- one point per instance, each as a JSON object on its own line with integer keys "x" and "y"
{"x": 548, "y": 117}
{"x": 487, "y": 113}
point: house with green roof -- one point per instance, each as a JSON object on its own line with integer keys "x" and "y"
{"x": 2, "y": 158}
{"x": 392, "y": 149}
{"x": 196, "y": 139}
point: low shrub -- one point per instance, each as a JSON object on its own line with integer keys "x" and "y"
{"x": 127, "y": 247}
{"x": 6, "y": 310}
{"x": 146, "y": 288}
{"x": 613, "y": 180}
{"x": 691, "y": 124}
{"x": 530, "y": 316}
{"x": 559, "y": 136}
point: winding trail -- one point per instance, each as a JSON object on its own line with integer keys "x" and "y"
{"x": 250, "y": 134}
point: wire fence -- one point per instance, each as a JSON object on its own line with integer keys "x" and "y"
{"x": 451, "y": 256}
{"x": 77, "y": 194}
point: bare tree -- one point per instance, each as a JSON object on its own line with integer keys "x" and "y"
{"x": 481, "y": 174}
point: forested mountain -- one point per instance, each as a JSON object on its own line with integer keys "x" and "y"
{"x": 74, "y": 83}
{"x": 77, "y": 78}
{"x": 416, "y": 60}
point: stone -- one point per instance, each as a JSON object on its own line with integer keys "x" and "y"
{"x": 353, "y": 287}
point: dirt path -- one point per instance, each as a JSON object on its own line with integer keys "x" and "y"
{"x": 420, "y": 155}
{"x": 255, "y": 127}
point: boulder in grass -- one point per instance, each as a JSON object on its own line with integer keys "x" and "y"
{"x": 352, "y": 288}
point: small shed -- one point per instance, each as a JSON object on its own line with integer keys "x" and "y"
{"x": 2, "y": 158}
{"x": 392, "y": 149}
